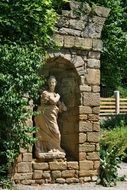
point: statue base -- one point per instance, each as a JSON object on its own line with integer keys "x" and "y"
{"x": 51, "y": 155}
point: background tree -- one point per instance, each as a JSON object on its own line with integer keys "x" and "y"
{"x": 114, "y": 36}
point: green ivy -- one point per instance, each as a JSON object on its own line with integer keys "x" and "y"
{"x": 26, "y": 28}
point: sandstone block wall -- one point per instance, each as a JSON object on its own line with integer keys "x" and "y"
{"x": 76, "y": 65}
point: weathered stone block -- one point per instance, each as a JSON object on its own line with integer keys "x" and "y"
{"x": 27, "y": 157}
{"x": 24, "y": 167}
{"x": 72, "y": 165}
{"x": 85, "y": 88}
{"x": 96, "y": 164}
{"x": 85, "y": 165}
{"x": 93, "y": 63}
{"x": 68, "y": 173}
{"x": 84, "y": 173}
{"x": 58, "y": 39}
{"x": 60, "y": 180}
{"x": 96, "y": 88}
{"x": 69, "y": 31}
{"x": 96, "y": 110}
{"x": 92, "y": 156}
{"x": 96, "y": 126}
{"x": 80, "y": 70}
{"x": 56, "y": 174}
{"x": 77, "y": 24}
{"x": 78, "y": 42}
{"x": 39, "y": 181}
{"x": 82, "y": 137}
{"x": 72, "y": 180}
{"x": 78, "y": 61}
{"x": 93, "y": 76}
{"x": 21, "y": 176}
{"x": 62, "y": 22}
{"x": 94, "y": 55}
{"x": 93, "y": 117}
{"x": 85, "y": 126}
{"x": 94, "y": 178}
{"x": 93, "y": 136}
{"x": 82, "y": 80}
{"x": 81, "y": 179}
{"x": 86, "y": 147}
{"x": 97, "y": 146}
{"x": 58, "y": 165}
{"x": 101, "y": 11}
{"x": 69, "y": 41}
{"x": 83, "y": 43}
{"x": 66, "y": 13}
{"x": 66, "y": 56}
{"x": 97, "y": 44}
{"x": 83, "y": 117}
{"x": 46, "y": 174}
{"x": 40, "y": 166}
{"x": 37, "y": 174}
{"x": 91, "y": 99}
{"x": 97, "y": 25}
{"x": 48, "y": 180}
{"x": 87, "y": 179}
{"x": 19, "y": 158}
{"x": 22, "y": 150}
{"x": 85, "y": 109}
{"x": 82, "y": 156}
{"x": 27, "y": 182}
{"x": 74, "y": 5}
{"x": 87, "y": 43}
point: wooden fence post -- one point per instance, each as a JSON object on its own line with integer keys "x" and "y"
{"x": 117, "y": 99}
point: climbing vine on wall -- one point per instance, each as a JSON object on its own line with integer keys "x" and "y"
{"x": 26, "y": 27}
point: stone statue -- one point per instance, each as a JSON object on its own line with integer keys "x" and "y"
{"x": 48, "y": 133}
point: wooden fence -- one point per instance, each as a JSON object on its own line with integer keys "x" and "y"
{"x": 114, "y": 105}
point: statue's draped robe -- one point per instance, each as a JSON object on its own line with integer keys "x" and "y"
{"x": 48, "y": 133}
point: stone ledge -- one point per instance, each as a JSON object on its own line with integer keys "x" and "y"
{"x": 51, "y": 156}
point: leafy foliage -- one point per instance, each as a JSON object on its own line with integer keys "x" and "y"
{"x": 109, "y": 164}
{"x": 112, "y": 149}
{"x": 123, "y": 91}
{"x": 114, "y": 57}
{"x": 26, "y": 27}
{"x": 114, "y": 122}
{"x": 26, "y": 21}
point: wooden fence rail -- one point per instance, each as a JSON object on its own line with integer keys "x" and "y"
{"x": 113, "y": 106}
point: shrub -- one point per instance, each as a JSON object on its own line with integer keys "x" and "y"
{"x": 113, "y": 144}
{"x": 114, "y": 121}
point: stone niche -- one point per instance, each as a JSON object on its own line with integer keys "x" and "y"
{"x": 68, "y": 82}
{"x": 76, "y": 66}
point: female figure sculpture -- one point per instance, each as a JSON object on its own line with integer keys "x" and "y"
{"x": 48, "y": 133}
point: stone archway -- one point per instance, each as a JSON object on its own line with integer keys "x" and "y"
{"x": 68, "y": 82}
{"x": 76, "y": 65}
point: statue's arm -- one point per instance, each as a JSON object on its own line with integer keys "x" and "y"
{"x": 54, "y": 99}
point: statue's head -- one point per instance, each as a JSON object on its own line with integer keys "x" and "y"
{"x": 52, "y": 83}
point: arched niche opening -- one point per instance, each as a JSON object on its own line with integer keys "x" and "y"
{"x": 68, "y": 87}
